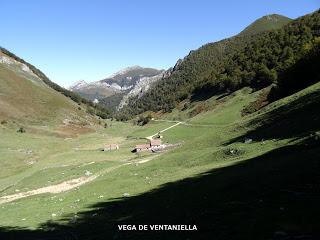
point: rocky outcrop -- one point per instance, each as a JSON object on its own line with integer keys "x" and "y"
{"x": 20, "y": 68}
{"x": 140, "y": 88}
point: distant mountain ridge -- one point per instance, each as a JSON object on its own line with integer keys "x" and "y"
{"x": 78, "y": 85}
{"x": 120, "y": 82}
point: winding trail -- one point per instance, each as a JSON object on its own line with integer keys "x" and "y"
{"x": 186, "y": 123}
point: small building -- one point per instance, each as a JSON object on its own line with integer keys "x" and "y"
{"x": 152, "y": 145}
{"x": 155, "y": 143}
{"x": 142, "y": 147}
{"x": 110, "y": 147}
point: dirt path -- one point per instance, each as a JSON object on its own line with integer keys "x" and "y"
{"x": 178, "y": 123}
{"x": 66, "y": 185}
{"x": 187, "y": 123}
{"x": 61, "y": 187}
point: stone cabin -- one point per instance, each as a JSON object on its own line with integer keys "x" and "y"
{"x": 153, "y": 144}
{"x": 110, "y": 147}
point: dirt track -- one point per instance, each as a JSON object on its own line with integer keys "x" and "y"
{"x": 178, "y": 123}
{"x": 58, "y": 188}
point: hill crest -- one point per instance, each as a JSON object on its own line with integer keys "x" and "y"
{"x": 266, "y": 23}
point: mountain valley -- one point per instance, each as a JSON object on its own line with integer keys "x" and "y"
{"x": 226, "y": 140}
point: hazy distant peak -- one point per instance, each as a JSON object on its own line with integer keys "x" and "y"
{"x": 78, "y": 85}
{"x": 125, "y": 71}
{"x": 120, "y": 82}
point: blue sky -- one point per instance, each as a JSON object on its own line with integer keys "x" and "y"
{"x": 71, "y": 40}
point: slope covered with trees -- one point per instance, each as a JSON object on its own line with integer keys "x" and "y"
{"x": 256, "y": 60}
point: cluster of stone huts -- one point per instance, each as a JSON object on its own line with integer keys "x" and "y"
{"x": 153, "y": 145}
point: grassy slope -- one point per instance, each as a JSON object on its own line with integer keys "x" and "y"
{"x": 96, "y": 93}
{"x": 25, "y": 98}
{"x": 260, "y": 191}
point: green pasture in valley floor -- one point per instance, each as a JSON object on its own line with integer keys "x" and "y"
{"x": 35, "y": 160}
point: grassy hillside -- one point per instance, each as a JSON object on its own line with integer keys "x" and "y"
{"x": 35, "y": 75}
{"x": 28, "y": 96}
{"x": 28, "y": 99}
{"x": 263, "y": 189}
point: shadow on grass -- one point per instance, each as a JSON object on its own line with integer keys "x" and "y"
{"x": 297, "y": 119}
{"x": 273, "y": 196}
{"x": 205, "y": 94}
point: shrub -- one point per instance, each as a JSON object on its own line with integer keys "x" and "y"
{"x": 90, "y": 111}
{"x": 143, "y": 120}
{"x": 233, "y": 152}
{"x": 186, "y": 106}
{"x": 21, "y": 130}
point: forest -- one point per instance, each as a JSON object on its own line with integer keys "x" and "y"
{"x": 255, "y": 60}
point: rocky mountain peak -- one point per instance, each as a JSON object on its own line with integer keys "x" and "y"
{"x": 78, "y": 85}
